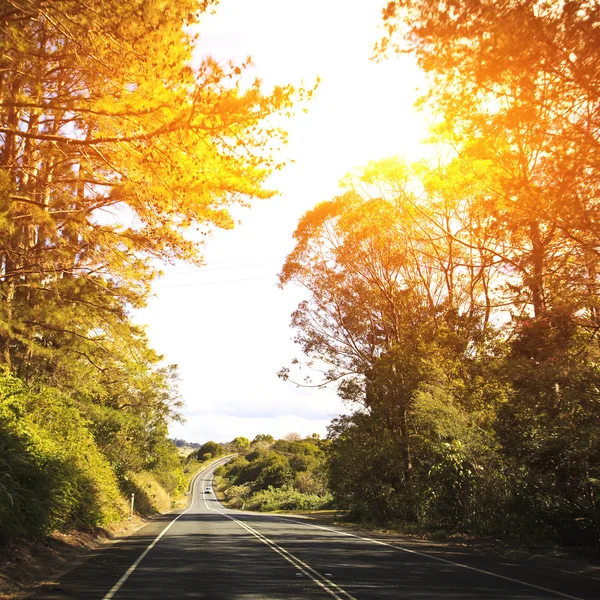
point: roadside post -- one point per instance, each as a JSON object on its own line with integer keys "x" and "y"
{"x": 132, "y": 500}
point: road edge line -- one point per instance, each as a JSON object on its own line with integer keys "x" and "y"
{"x": 117, "y": 586}
{"x": 431, "y": 557}
{"x": 323, "y": 582}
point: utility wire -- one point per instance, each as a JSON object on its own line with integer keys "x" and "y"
{"x": 244, "y": 258}
{"x": 200, "y": 270}
{"x": 166, "y": 287}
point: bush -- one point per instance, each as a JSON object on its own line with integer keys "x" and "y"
{"x": 308, "y": 482}
{"x": 286, "y": 498}
{"x": 150, "y": 496}
{"x": 167, "y": 468}
{"x": 52, "y": 475}
{"x": 290, "y": 475}
{"x": 275, "y": 471}
{"x": 237, "y": 495}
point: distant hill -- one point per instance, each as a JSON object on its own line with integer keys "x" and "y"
{"x": 182, "y": 443}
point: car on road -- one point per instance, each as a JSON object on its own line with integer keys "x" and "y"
{"x": 207, "y": 490}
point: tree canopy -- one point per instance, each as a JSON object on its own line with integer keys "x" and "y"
{"x": 119, "y": 150}
{"x": 513, "y": 83}
{"x": 419, "y": 308}
{"x": 457, "y": 303}
{"x": 114, "y": 147}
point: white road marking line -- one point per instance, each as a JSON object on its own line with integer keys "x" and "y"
{"x": 115, "y": 588}
{"x": 431, "y": 557}
{"x": 423, "y": 555}
{"x": 331, "y": 588}
{"x": 334, "y": 590}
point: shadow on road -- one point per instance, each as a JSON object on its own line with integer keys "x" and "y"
{"x": 207, "y": 555}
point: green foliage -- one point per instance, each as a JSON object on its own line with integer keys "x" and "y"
{"x": 166, "y": 466}
{"x": 513, "y": 91}
{"x": 365, "y": 469}
{"x": 275, "y": 471}
{"x": 267, "y": 469}
{"x": 132, "y": 126}
{"x": 209, "y": 449}
{"x": 287, "y": 498}
{"x": 61, "y": 470}
{"x": 240, "y": 444}
{"x": 233, "y": 467}
{"x": 549, "y": 432}
{"x": 461, "y": 425}
{"x": 279, "y": 475}
{"x": 263, "y": 437}
{"x": 102, "y": 115}
{"x": 53, "y": 474}
{"x": 237, "y": 495}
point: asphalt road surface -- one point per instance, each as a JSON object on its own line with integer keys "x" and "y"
{"x": 208, "y": 551}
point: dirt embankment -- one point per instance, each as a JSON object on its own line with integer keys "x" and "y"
{"x": 24, "y": 565}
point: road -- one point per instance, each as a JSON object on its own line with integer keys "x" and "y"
{"x": 208, "y": 551}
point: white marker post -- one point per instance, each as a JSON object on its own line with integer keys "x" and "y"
{"x": 132, "y": 499}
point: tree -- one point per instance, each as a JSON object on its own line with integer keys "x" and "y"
{"x": 241, "y": 444}
{"x": 263, "y": 437}
{"x": 113, "y": 150}
{"x": 513, "y": 83}
{"x": 386, "y": 299}
{"x": 262, "y": 441}
{"x": 209, "y": 449}
{"x": 354, "y": 456}
{"x": 118, "y": 151}
{"x": 549, "y": 430}
{"x": 514, "y": 88}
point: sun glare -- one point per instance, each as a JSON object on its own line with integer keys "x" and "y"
{"x": 362, "y": 109}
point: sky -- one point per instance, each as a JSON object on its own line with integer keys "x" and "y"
{"x": 226, "y": 325}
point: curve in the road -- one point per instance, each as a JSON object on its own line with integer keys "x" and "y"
{"x": 134, "y": 566}
{"x": 215, "y": 553}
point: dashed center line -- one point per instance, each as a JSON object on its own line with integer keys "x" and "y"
{"x": 321, "y": 580}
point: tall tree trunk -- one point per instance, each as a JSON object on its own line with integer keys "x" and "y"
{"x": 8, "y": 159}
{"x": 406, "y": 455}
{"x": 536, "y": 278}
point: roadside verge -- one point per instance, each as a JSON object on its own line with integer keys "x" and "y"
{"x": 29, "y": 566}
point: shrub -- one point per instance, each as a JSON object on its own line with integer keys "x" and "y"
{"x": 286, "y": 498}
{"x": 237, "y": 495}
{"x": 52, "y": 475}
{"x": 150, "y": 496}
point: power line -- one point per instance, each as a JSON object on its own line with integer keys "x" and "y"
{"x": 244, "y": 258}
{"x": 166, "y": 287}
{"x": 200, "y": 270}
